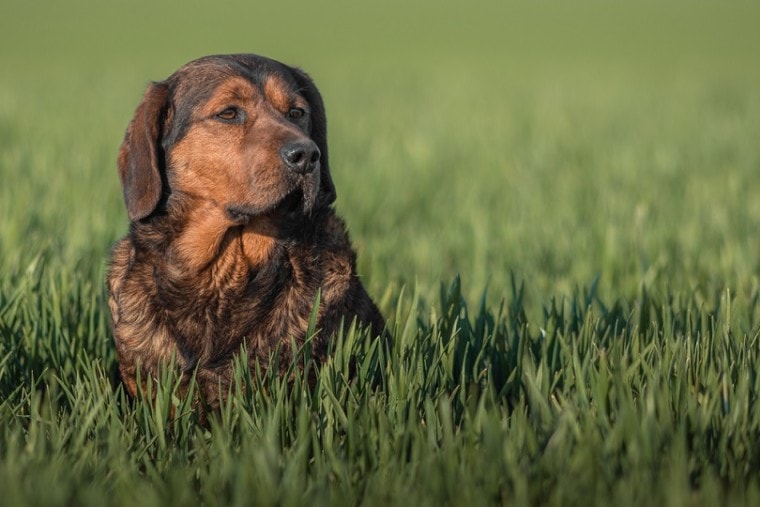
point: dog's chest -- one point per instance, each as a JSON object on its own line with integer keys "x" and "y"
{"x": 257, "y": 306}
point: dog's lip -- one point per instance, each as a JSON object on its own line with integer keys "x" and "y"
{"x": 291, "y": 202}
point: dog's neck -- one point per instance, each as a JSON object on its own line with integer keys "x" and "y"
{"x": 207, "y": 239}
{"x": 210, "y": 239}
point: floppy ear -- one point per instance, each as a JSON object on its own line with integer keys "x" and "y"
{"x": 139, "y": 158}
{"x": 318, "y": 134}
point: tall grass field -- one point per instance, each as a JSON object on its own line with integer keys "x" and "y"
{"x": 555, "y": 205}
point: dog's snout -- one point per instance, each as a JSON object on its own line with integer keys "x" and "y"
{"x": 301, "y": 156}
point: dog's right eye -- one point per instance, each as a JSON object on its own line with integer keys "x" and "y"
{"x": 228, "y": 114}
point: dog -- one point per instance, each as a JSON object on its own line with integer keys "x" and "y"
{"x": 232, "y": 236}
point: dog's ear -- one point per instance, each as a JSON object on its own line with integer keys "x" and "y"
{"x": 140, "y": 158}
{"x": 318, "y": 134}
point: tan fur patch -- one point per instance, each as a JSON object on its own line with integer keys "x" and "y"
{"x": 277, "y": 93}
{"x": 258, "y": 241}
{"x": 199, "y": 245}
{"x": 234, "y": 91}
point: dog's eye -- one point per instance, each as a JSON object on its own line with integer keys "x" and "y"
{"x": 228, "y": 114}
{"x": 296, "y": 113}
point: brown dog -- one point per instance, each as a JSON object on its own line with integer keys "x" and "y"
{"x": 228, "y": 191}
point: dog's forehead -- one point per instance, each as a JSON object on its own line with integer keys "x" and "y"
{"x": 245, "y": 75}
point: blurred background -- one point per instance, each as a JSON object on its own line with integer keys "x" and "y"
{"x": 554, "y": 141}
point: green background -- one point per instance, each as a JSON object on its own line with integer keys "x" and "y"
{"x": 556, "y": 140}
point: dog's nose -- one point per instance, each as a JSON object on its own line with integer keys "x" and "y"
{"x": 301, "y": 156}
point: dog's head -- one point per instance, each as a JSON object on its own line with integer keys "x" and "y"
{"x": 242, "y": 132}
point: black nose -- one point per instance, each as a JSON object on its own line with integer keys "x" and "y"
{"x": 301, "y": 156}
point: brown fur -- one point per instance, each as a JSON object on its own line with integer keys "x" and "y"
{"x": 227, "y": 245}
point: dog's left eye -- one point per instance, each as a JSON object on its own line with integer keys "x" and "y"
{"x": 296, "y": 113}
{"x": 228, "y": 114}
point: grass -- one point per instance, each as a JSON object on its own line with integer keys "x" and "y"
{"x": 555, "y": 207}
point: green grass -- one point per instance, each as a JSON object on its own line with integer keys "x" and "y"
{"x": 556, "y": 206}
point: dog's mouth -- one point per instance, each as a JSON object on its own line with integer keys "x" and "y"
{"x": 292, "y": 204}
{"x": 298, "y": 201}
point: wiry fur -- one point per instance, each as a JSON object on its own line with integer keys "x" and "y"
{"x": 227, "y": 247}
